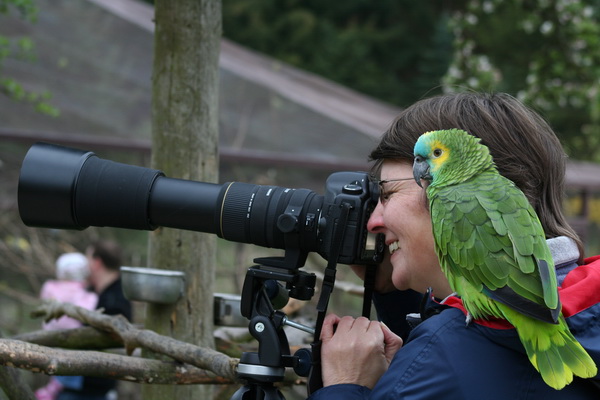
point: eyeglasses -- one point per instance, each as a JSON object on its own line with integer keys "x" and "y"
{"x": 384, "y": 194}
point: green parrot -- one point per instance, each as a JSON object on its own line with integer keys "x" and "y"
{"x": 492, "y": 248}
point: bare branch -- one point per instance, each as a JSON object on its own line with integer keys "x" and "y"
{"x": 34, "y": 358}
{"x": 192, "y": 365}
{"x": 203, "y": 358}
{"x": 84, "y": 338}
{"x": 89, "y": 338}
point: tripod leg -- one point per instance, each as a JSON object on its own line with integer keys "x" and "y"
{"x": 253, "y": 391}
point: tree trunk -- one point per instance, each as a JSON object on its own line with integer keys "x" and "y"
{"x": 185, "y": 145}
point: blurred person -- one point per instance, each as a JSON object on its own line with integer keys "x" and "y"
{"x": 104, "y": 260}
{"x": 70, "y": 286}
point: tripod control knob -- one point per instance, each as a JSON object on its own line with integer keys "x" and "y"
{"x": 304, "y": 357}
{"x": 287, "y": 223}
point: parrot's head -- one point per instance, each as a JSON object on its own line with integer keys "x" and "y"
{"x": 449, "y": 157}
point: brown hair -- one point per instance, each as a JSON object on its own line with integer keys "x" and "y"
{"x": 524, "y": 147}
{"x": 107, "y": 251}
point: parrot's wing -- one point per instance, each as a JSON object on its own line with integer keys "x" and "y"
{"x": 487, "y": 233}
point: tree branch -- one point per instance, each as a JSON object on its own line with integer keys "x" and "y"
{"x": 192, "y": 365}
{"x": 34, "y": 358}
{"x": 84, "y": 338}
{"x": 201, "y": 357}
{"x": 89, "y": 338}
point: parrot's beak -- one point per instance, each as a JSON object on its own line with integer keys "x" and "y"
{"x": 421, "y": 170}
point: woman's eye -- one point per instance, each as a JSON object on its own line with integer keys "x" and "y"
{"x": 384, "y": 196}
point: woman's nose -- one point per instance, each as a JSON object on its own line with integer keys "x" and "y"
{"x": 375, "y": 222}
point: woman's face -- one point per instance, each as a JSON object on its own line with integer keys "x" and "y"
{"x": 404, "y": 219}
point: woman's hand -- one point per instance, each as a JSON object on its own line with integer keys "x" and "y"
{"x": 356, "y": 351}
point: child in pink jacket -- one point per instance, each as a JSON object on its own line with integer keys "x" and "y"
{"x": 70, "y": 287}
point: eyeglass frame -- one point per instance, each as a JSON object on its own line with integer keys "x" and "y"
{"x": 380, "y": 185}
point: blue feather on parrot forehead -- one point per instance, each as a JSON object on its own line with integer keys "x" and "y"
{"x": 453, "y": 155}
{"x": 456, "y": 139}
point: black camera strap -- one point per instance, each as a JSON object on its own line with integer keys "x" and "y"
{"x": 315, "y": 379}
{"x": 369, "y": 285}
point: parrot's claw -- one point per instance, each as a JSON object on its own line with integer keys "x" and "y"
{"x": 468, "y": 319}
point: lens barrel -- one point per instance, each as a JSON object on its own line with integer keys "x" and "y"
{"x": 65, "y": 188}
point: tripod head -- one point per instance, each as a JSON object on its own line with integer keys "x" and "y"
{"x": 261, "y": 369}
{"x": 268, "y": 365}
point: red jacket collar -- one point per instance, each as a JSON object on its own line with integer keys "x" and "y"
{"x": 579, "y": 291}
{"x": 581, "y": 287}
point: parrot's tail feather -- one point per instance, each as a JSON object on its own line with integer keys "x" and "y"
{"x": 578, "y": 359}
{"x": 552, "y": 368}
{"x": 554, "y": 351}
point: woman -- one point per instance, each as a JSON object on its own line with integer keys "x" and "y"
{"x": 442, "y": 358}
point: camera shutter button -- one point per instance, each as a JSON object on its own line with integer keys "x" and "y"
{"x": 353, "y": 188}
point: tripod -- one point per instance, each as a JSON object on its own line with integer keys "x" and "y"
{"x": 263, "y": 368}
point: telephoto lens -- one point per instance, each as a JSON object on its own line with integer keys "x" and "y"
{"x": 65, "y": 188}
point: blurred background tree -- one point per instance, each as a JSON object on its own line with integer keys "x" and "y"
{"x": 392, "y": 50}
{"x": 21, "y": 48}
{"x": 546, "y": 53}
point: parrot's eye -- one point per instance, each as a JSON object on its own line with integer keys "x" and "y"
{"x": 437, "y": 152}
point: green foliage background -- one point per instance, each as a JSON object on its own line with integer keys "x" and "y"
{"x": 545, "y": 52}
{"x": 21, "y": 48}
{"x": 393, "y": 50}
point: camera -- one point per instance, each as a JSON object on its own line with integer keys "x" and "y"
{"x": 66, "y": 188}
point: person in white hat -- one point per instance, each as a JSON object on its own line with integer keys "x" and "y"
{"x": 70, "y": 286}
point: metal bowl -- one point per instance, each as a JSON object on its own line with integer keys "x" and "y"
{"x": 152, "y": 285}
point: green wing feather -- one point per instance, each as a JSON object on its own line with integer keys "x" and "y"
{"x": 488, "y": 228}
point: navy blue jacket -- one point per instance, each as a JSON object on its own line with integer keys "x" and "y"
{"x": 445, "y": 359}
